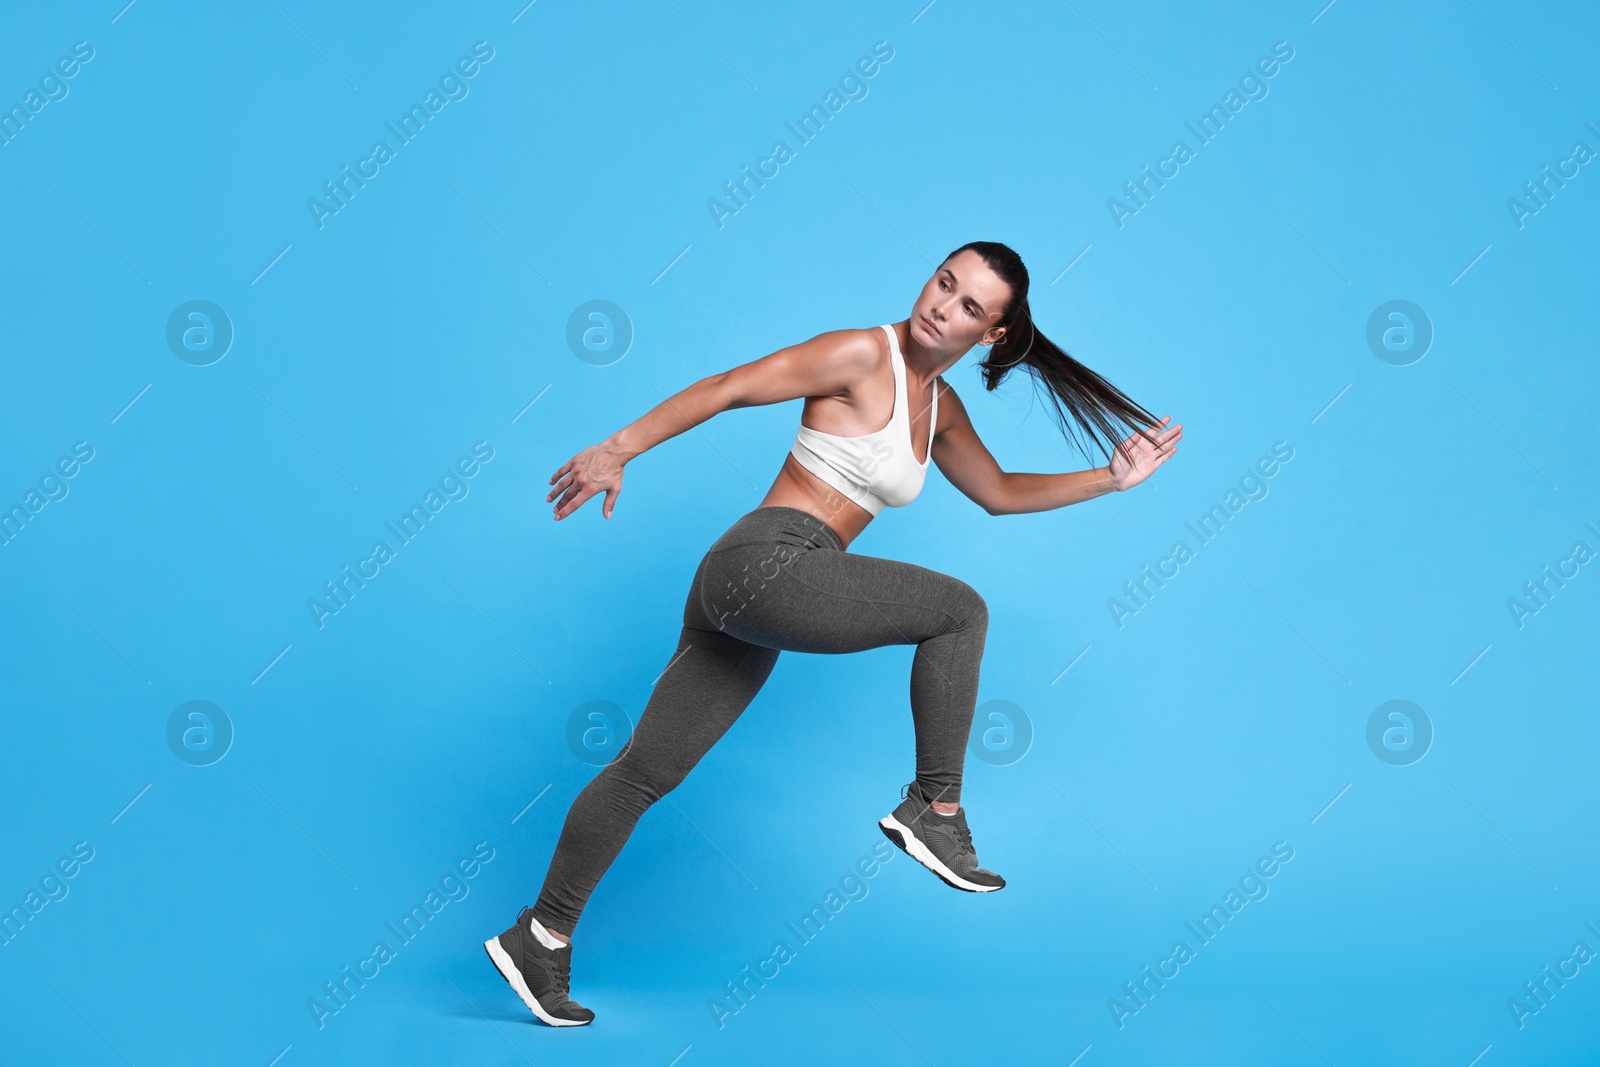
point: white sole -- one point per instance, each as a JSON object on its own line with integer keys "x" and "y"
{"x": 508, "y": 970}
{"x": 914, "y": 847}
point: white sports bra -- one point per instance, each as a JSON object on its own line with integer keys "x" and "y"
{"x": 878, "y": 469}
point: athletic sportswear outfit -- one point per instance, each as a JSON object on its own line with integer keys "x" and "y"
{"x": 780, "y": 579}
{"x": 877, "y": 469}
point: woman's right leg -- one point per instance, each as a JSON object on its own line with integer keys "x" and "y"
{"x": 710, "y": 680}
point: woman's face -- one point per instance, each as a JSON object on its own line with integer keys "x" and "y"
{"x": 960, "y": 306}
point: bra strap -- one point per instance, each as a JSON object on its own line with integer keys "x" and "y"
{"x": 897, "y": 367}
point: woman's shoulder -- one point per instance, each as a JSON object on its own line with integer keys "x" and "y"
{"x": 949, "y": 406}
{"x": 863, "y": 346}
{"x": 860, "y": 338}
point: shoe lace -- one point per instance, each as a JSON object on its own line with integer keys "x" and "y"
{"x": 563, "y": 973}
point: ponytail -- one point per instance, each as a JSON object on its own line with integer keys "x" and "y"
{"x": 1082, "y": 400}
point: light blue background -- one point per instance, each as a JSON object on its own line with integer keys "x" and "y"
{"x": 423, "y": 718}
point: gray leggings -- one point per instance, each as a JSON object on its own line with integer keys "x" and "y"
{"x": 777, "y": 579}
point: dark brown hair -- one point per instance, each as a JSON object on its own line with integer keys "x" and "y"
{"x": 1094, "y": 405}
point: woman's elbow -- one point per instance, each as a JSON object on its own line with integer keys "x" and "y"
{"x": 996, "y": 500}
{"x": 724, "y": 391}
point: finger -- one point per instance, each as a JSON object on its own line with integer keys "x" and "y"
{"x": 562, "y": 486}
{"x": 563, "y": 469}
{"x": 1151, "y": 434}
{"x": 610, "y": 501}
{"x": 568, "y": 502}
{"x": 567, "y": 508}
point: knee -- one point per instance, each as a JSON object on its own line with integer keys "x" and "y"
{"x": 970, "y": 609}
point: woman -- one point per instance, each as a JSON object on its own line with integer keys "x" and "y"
{"x": 781, "y": 578}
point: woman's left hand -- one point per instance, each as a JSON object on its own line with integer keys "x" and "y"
{"x": 1138, "y": 457}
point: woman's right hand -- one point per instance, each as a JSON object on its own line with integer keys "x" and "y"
{"x": 597, "y": 468}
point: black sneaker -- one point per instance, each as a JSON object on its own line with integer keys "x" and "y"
{"x": 941, "y": 843}
{"x": 537, "y": 974}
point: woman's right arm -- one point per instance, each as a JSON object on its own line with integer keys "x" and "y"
{"x": 826, "y": 365}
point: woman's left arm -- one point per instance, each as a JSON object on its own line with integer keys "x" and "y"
{"x": 962, "y": 457}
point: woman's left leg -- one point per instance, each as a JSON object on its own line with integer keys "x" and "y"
{"x": 825, "y": 600}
